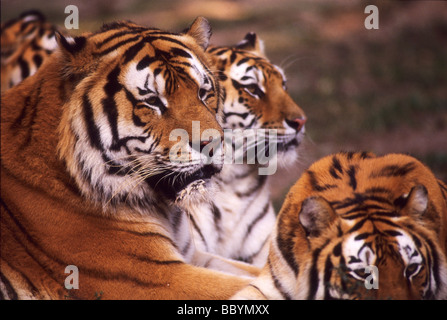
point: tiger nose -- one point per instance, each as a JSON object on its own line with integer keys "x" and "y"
{"x": 297, "y": 123}
{"x": 200, "y": 145}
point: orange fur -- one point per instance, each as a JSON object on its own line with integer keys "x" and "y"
{"x": 353, "y": 210}
{"x": 48, "y": 222}
{"x": 26, "y": 42}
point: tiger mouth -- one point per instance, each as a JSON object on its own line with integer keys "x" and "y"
{"x": 285, "y": 146}
{"x": 171, "y": 183}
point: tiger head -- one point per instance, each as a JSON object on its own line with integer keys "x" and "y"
{"x": 255, "y": 95}
{"x": 134, "y": 95}
{"x": 26, "y": 42}
{"x": 365, "y": 227}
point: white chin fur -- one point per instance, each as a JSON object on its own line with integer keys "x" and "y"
{"x": 197, "y": 192}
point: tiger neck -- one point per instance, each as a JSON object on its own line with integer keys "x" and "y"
{"x": 243, "y": 180}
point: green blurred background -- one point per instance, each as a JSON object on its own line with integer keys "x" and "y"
{"x": 377, "y": 90}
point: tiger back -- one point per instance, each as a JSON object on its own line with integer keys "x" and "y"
{"x": 26, "y": 42}
{"x": 239, "y": 219}
{"x": 359, "y": 226}
{"x": 86, "y": 178}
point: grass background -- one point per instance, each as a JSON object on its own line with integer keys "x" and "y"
{"x": 376, "y": 90}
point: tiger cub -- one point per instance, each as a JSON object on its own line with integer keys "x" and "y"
{"x": 86, "y": 175}
{"x": 26, "y": 42}
{"x": 240, "y": 215}
{"x": 359, "y": 226}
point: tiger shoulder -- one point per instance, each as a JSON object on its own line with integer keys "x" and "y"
{"x": 86, "y": 176}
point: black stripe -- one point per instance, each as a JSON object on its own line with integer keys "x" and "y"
{"x": 277, "y": 284}
{"x": 314, "y": 281}
{"x": 119, "y": 44}
{"x": 336, "y": 251}
{"x": 443, "y": 189}
{"x": 357, "y": 226}
{"x": 352, "y": 180}
{"x": 434, "y": 263}
{"x": 378, "y": 190}
{"x": 336, "y": 166}
{"x": 111, "y": 88}
{"x": 365, "y": 155}
{"x": 121, "y": 24}
{"x": 24, "y": 68}
{"x": 315, "y": 185}
{"x": 149, "y": 234}
{"x": 357, "y": 200}
{"x": 259, "y": 217}
{"x": 242, "y": 61}
{"x": 37, "y": 58}
{"x": 251, "y": 257}
{"x": 145, "y": 62}
{"x": 136, "y": 120}
{"x": 92, "y": 129}
{"x": 285, "y": 240}
{"x": 100, "y": 273}
{"x": 197, "y": 228}
{"x": 233, "y": 57}
{"x": 217, "y": 216}
{"x": 259, "y": 290}
{"x": 328, "y": 268}
{"x": 186, "y": 247}
{"x": 151, "y": 38}
{"x": 32, "y": 241}
{"x": 10, "y": 292}
{"x": 116, "y": 35}
{"x": 241, "y": 115}
{"x": 27, "y": 117}
{"x": 154, "y": 261}
{"x": 394, "y": 170}
{"x": 103, "y": 274}
{"x": 180, "y": 52}
{"x": 133, "y": 51}
{"x": 260, "y": 182}
{"x": 349, "y": 155}
{"x": 362, "y": 236}
{"x": 393, "y": 233}
{"x": 21, "y": 120}
{"x": 220, "y": 52}
{"x": 362, "y": 208}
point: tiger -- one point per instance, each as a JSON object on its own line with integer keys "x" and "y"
{"x": 237, "y": 222}
{"x": 250, "y": 86}
{"x": 26, "y": 42}
{"x": 86, "y": 175}
{"x": 359, "y": 226}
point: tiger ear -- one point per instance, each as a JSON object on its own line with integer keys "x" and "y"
{"x": 32, "y": 15}
{"x": 70, "y": 45}
{"x": 252, "y": 43}
{"x": 200, "y": 30}
{"x": 316, "y": 215}
{"x": 76, "y": 55}
{"x": 415, "y": 203}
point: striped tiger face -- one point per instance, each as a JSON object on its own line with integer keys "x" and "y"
{"x": 255, "y": 94}
{"x": 25, "y": 43}
{"x": 139, "y": 86}
{"x": 365, "y": 227}
{"x": 372, "y": 258}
